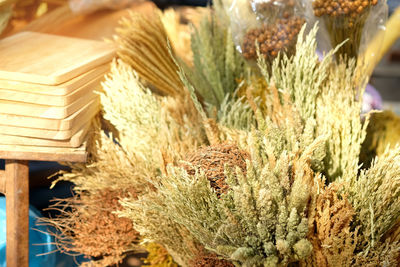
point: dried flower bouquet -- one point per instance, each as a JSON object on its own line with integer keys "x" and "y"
{"x": 215, "y": 163}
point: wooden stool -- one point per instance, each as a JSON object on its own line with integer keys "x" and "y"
{"x": 14, "y": 183}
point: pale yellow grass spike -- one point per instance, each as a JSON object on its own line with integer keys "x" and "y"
{"x": 162, "y": 47}
{"x": 156, "y": 49}
{"x": 138, "y": 41}
{"x": 143, "y": 44}
{"x": 382, "y": 42}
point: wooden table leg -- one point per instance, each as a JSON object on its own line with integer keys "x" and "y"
{"x": 17, "y": 210}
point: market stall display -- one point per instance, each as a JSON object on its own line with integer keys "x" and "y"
{"x": 235, "y": 161}
{"x": 244, "y": 150}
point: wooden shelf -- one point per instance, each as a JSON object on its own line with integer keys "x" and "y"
{"x": 43, "y": 153}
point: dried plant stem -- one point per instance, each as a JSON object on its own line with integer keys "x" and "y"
{"x": 143, "y": 44}
{"x": 339, "y": 32}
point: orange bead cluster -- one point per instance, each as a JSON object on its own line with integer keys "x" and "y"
{"x": 281, "y": 8}
{"x": 272, "y": 38}
{"x": 349, "y": 8}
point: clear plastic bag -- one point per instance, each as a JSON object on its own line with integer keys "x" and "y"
{"x": 353, "y": 21}
{"x": 89, "y": 6}
{"x": 271, "y": 10}
{"x": 273, "y": 25}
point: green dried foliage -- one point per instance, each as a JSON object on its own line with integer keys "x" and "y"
{"x": 140, "y": 151}
{"x": 149, "y": 217}
{"x": 140, "y": 117}
{"x": 375, "y": 196}
{"x": 260, "y": 220}
{"x": 236, "y": 113}
{"x": 301, "y": 75}
{"x": 384, "y": 254}
{"x": 273, "y": 209}
{"x": 325, "y": 95}
{"x": 339, "y": 114}
{"x": 217, "y": 64}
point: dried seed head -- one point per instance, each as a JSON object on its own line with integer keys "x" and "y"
{"x": 272, "y": 38}
{"x": 347, "y": 8}
{"x": 92, "y": 229}
{"x": 208, "y": 260}
{"x": 212, "y": 161}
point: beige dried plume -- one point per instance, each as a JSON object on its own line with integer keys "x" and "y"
{"x": 143, "y": 44}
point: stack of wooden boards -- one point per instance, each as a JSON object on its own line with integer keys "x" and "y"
{"x": 48, "y": 87}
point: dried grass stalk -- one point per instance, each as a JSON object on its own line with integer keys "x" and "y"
{"x": 143, "y": 44}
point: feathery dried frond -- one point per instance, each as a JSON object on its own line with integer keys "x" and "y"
{"x": 333, "y": 241}
{"x": 88, "y": 226}
{"x": 217, "y": 64}
{"x": 383, "y": 254}
{"x": 140, "y": 152}
{"x": 259, "y": 219}
{"x": 150, "y": 220}
{"x": 327, "y": 97}
{"x": 141, "y": 116}
{"x": 236, "y": 114}
{"x": 339, "y": 114}
{"x": 375, "y": 197}
{"x": 302, "y": 75}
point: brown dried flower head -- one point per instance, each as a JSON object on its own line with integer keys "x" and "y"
{"x": 88, "y": 226}
{"x": 345, "y": 21}
{"x": 210, "y": 260}
{"x": 212, "y": 161}
{"x": 103, "y": 230}
{"x": 272, "y": 39}
{"x": 351, "y": 9}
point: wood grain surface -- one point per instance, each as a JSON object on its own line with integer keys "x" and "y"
{"x": 44, "y": 153}
{"x": 17, "y": 211}
{"x": 44, "y": 111}
{"x": 50, "y": 59}
{"x": 75, "y": 141}
{"x": 56, "y": 90}
{"x": 44, "y": 133}
{"x": 88, "y": 111}
{"x": 97, "y": 26}
{"x": 59, "y": 101}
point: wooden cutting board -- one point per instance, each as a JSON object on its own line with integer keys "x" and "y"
{"x": 56, "y": 90}
{"x": 83, "y": 114}
{"x": 44, "y": 111}
{"x": 55, "y": 100}
{"x": 44, "y": 133}
{"x": 75, "y": 141}
{"x": 50, "y": 59}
